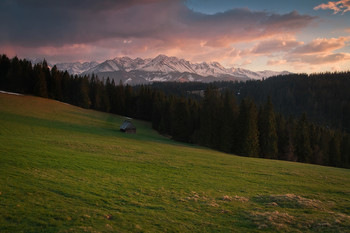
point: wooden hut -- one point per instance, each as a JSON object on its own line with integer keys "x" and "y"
{"x": 127, "y": 127}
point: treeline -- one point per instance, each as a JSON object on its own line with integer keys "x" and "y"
{"x": 217, "y": 120}
{"x": 323, "y": 97}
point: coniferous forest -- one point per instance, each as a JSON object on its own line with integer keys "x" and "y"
{"x": 299, "y": 117}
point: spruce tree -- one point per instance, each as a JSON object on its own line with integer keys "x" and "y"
{"x": 229, "y": 114}
{"x": 267, "y": 132}
{"x": 5, "y": 65}
{"x": 346, "y": 151}
{"x": 83, "y": 99}
{"x": 248, "y": 129}
{"x": 302, "y": 140}
{"x": 180, "y": 121}
{"x": 40, "y": 84}
{"x": 335, "y": 150}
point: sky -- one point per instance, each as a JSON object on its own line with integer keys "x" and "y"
{"x": 303, "y": 36}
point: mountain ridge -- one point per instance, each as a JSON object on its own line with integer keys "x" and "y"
{"x": 163, "y": 68}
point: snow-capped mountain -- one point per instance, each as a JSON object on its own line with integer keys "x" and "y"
{"x": 76, "y": 67}
{"x": 163, "y": 68}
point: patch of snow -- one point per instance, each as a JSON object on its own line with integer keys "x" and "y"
{"x": 159, "y": 79}
{"x": 10, "y": 93}
{"x": 62, "y": 102}
{"x": 129, "y": 80}
{"x": 190, "y": 78}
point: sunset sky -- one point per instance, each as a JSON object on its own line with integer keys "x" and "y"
{"x": 294, "y": 35}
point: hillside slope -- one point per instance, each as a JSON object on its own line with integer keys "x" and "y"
{"x": 66, "y": 169}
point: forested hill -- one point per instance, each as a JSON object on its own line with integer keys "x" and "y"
{"x": 218, "y": 119}
{"x": 323, "y": 97}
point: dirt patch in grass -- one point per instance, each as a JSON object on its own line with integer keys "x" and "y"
{"x": 202, "y": 199}
{"x": 234, "y": 198}
{"x": 340, "y": 218}
{"x": 288, "y": 201}
{"x": 195, "y": 197}
{"x": 335, "y": 222}
{"x": 275, "y": 220}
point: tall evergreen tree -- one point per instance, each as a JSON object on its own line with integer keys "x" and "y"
{"x": 181, "y": 121}
{"x": 335, "y": 150}
{"x": 267, "y": 132}
{"x": 165, "y": 124}
{"x": 156, "y": 110}
{"x": 56, "y": 84}
{"x": 248, "y": 128}
{"x": 83, "y": 99}
{"x": 210, "y": 123}
{"x": 345, "y": 160}
{"x": 302, "y": 140}
{"x": 40, "y": 84}
{"x": 5, "y": 65}
{"x": 229, "y": 114}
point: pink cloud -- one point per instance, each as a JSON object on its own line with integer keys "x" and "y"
{"x": 319, "y": 59}
{"x": 322, "y": 45}
{"x": 276, "y": 46}
{"x": 337, "y": 6}
{"x": 312, "y": 55}
{"x": 274, "y": 62}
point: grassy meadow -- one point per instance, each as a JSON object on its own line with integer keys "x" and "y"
{"x": 67, "y": 169}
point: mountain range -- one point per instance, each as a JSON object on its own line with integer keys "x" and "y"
{"x": 162, "y": 69}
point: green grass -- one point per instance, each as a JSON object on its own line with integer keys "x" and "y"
{"x": 66, "y": 169}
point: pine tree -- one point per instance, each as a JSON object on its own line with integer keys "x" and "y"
{"x": 267, "y": 132}
{"x": 83, "y": 99}
{"x": 180, "y": 121}
{"x": 302, "y": 140}
{"x": 346, "y": 151}
{"x": 40, "y": 84}
{"x": 14, "y": 77}
{"x": 229, "y": 114}
{"x": 5, "y": 65}
{"x": 128, "y": 99}
{"x": 66, "y": 87}
{"x": 248, "y": 128}
{"x": 56, "y": 87}
{"x": 334, "y": 151}
{"x": 210, "y": 123}
{"x": 165, "y": 124}
{"x": 156, "y": 110}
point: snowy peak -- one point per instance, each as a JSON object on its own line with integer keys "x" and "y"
{"x": 127, "y": 64}
{"x": 212, "y": 68}
{"x": 166, "y": 64}
{"x": 163, "y": 68}
{"x": 76, "y": 67}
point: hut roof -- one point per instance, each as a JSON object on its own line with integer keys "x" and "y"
{"x": 127, "y": 125}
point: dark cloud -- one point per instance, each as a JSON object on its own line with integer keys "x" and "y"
{"x": 40, "y": 23}
{"x": 35, "y": 23}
